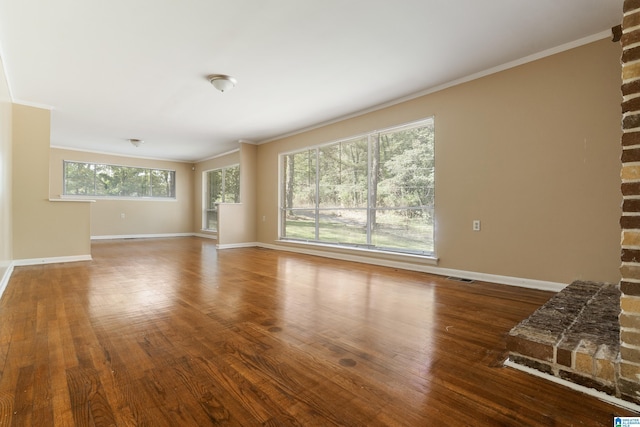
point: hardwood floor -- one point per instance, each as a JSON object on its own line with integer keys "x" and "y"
{"x": 171, "y": 332}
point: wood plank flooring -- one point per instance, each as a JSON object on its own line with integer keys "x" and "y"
{"x": 171, "y": 332}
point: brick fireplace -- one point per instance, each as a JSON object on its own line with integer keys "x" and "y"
{"x": 629, "y": 363}
{"x": 589, "y": 333}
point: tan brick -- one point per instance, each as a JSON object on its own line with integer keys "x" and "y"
{"x": 630, "y": 337}
{"x": 630, "y": 271}
{"x": 630, "y": 172}
{"x": 630, "y": 304}
{"x": 629, "y": 321}
{"x": 630, "y": 71}
{"x": 629, "y": 354}
{"x": 631, "y": 20}
{"x": 630, "y": 371}
{"x": 584, "y": 363}
{"x": 605, "y": 370}
{"x": 630, "y": 238}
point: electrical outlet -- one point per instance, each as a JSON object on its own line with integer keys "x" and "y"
{"x": 476, "y": 225}
{"x": 122, "y": 216}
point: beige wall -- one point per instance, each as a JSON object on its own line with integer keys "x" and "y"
{"x": 533, "y": 152}
{"x": 248, "y": 181}
{"x": 41, "y": 229}
{"x": 141, "y": 217}
{"x": 5, "y": 175}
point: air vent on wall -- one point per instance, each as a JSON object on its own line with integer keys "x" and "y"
{"x": 460, "y": 279}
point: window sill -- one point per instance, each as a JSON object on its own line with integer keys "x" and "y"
{"x": 65, "y": 198}
{"x": 72, "y": 200}
{"x": 362, "y": 252}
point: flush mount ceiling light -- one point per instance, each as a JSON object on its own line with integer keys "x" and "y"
{"x": 136, "y": 142}
{"x": 222, "y": 82}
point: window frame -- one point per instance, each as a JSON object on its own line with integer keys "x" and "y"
{"x": 368, "y": 246}
{"x": 94, "y": 195}
{"x": 206, "y": 210}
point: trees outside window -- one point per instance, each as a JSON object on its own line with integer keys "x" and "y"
{"x": 221, "y": 186}
{"x": 104, "y": 180}
{"x": 375, "y": 191}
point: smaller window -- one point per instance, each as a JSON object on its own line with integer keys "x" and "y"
{"x": 221, "y": 186}
{"x": 104, "y": 180}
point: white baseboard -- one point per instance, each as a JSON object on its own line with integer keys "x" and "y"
{"x": 140, "y": 236}
{"x": 51, "y": 260}
{"x": 427, "y": 265}
{"x": 586, "y": 390}
{"x": 206, "y": 236}
{"x": 237, "y": 245}
{"x": 4, "y": 281}
{"x": 432, "y": 269}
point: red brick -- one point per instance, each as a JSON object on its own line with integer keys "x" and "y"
{"x": 634, "y": 103}
{"x": 630, "y": 188}
{"x": 630, "y": 5}
{"x": 631, "y": 205}
{"x": 630, "y": 288}
{"x": 630, "y": 222}
{"x": 632, "y": 121}
{"x": 631, "y": 138}
{"x": 630, "y": 255}
{"x": 525, "y": 347}
{"x": 564, "y": 357}
{"x": 630, "y": 155}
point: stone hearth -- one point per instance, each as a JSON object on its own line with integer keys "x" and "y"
{"x": 574, "y": 336}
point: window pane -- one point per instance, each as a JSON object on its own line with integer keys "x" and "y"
{"x": 300, "y": 180}
{"x": 134, "y": 182}
{"x": 232, "y": 185}
{"x": 221, "y": 186}
{"x": 405, "y": 168}
{"x": 162, "y": 183}
{"x": 91, "y": 179}
{"x": 409, "y": 230}
{"x": 376, "y": 191}
{"x": 343, "y": 174}
{"x": 343, "y": 226}
{"x": 107, "y": 181}
{"x": 212, "y": 220}
{"x": 79, "y": 178}
{"x": 214, "y": 188}
{"x": 300, "y": 224}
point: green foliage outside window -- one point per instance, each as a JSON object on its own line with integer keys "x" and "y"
{"x": 104, "y": 180}
{"x": 375, "y": 191}
{"x": 221, "y": 186}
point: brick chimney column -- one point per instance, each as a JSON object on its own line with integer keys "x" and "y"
{"x": 629, "y": 368}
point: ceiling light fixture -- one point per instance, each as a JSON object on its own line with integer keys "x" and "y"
{"x": 222, "y": 82}
{"x": 136, "y": 142}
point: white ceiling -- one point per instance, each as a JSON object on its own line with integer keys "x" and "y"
{"x": 119, "y": 69}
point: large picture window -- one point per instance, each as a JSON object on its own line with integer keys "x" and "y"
{"x": 375, "y": 191}
{"x": 104, "y": 180}
{"x": 221, "y": 186}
